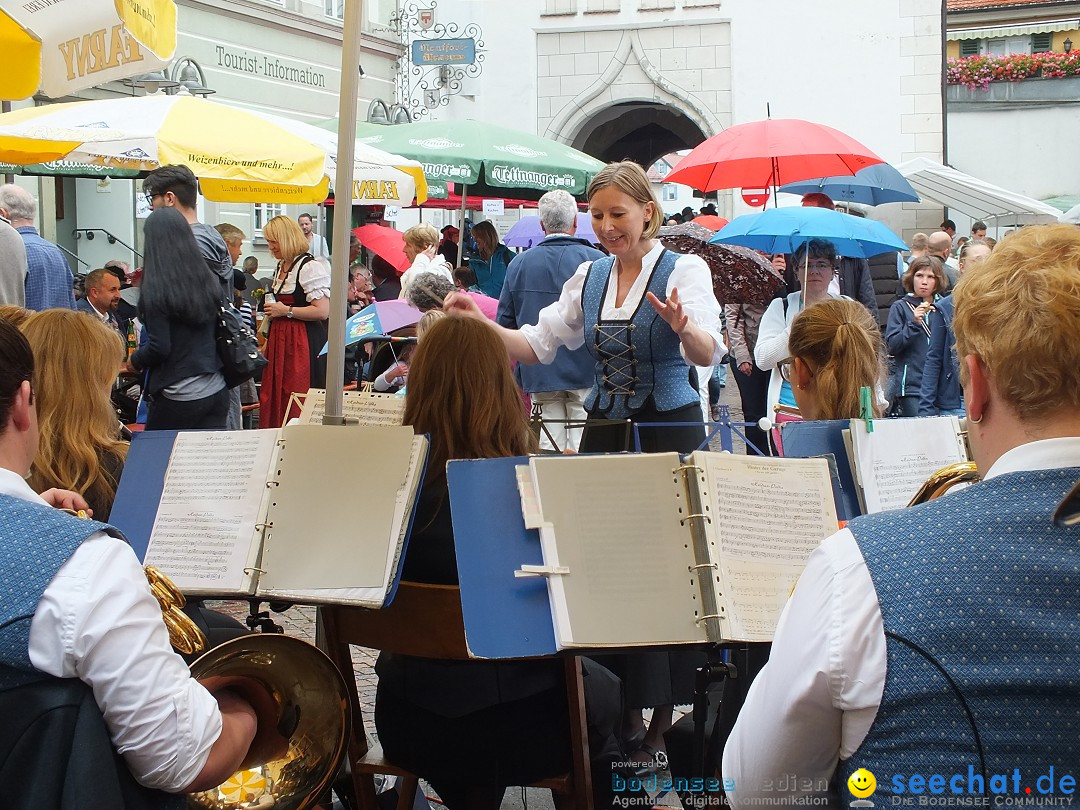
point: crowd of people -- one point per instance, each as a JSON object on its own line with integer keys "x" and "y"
{"x": 593, "y": 338}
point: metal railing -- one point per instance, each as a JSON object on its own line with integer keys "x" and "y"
{"x": 112, "y": 238}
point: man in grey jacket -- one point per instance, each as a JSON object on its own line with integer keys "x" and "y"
{"x": 535, "y": 279}
{"x": 12, "y": 266}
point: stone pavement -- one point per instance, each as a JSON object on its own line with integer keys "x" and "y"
{"x": 299, "y": 621}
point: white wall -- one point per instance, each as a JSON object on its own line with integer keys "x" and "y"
{"x": 871, "y": 70}
{"x": 111, "y": 207}
{"x": 1025, "y": 150}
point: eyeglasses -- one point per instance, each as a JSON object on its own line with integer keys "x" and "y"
{"x": 150, "y": 198}
{"x": 820, "y": 268}
{"x": 786, "y": 368}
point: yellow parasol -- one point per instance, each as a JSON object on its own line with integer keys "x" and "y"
{"x": 60, "y": 46}
{"x": 238, "y": 155}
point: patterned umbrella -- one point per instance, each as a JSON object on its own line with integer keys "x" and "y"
{"x": 739, "y": 275}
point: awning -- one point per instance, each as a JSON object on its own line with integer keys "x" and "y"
{"x": 1014, "y": 30}
{"x": 976, "y": 198}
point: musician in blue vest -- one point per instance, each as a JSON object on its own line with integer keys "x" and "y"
{"x": 74, "y": 604}
{"x": 937, "y": 646}
{"x": 646, "y": 315}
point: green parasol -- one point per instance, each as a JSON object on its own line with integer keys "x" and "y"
{"x": 486, "y": 158}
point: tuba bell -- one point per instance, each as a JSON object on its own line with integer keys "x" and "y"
{"x": 963, "y": 472}
{"x": 310, "y": 709}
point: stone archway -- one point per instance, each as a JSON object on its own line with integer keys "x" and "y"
{"x": 641, "y": 131}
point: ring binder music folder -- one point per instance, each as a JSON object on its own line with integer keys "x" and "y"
{"x": 254, "y": 513}
{"x": 652, "y": 549}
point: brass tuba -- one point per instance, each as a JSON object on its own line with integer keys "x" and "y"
{"x": 310, "y": 709}
{"x": 963, "y": 472}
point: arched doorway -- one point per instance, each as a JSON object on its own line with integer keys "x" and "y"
{"x": 638, "y": 131}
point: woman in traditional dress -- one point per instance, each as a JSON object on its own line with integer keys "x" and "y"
{"x": 646, "y": 315}
{"x": 298, "y": 313}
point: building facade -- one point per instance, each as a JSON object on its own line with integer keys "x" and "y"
{"x": 1015, "y": 133}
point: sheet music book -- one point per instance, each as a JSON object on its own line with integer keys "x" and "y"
{"x": 645, "y": 549}
{"x": 896, "y": 459}
{"x": 366, "y": 407}
{"x": 277, "y": 514}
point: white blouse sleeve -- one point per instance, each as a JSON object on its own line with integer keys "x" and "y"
{"x": 772, "y": 340}
{"x": 692, "y": 278}
{"x": 561, "y": 323}
{"x": 315, "y": 279}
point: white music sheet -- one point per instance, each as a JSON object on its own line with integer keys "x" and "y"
{"x": 204, "y": 533}
{"x": 768, "y": 515}
{"x": 897, "y": 458}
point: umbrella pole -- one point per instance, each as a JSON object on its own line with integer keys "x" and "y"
{"x": 805, "y": 276}
{"x": 461, "y": 226}
{"x": 343, "y": 180}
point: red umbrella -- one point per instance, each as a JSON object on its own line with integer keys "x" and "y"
{"x": 386, "y": 243}
{"x": 710, "y": 221}
{"x": 770, "y": 153}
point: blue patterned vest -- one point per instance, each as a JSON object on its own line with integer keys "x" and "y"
{"x": 980, "y": 597}
{"x": 35, "y": 541}
{"x": 635, "y": 358}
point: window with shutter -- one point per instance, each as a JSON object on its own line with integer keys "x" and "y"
{"x": 1041, "y": 43}
{"x": 969, "y": 47}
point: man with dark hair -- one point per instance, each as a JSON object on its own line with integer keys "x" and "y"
{"x": 175, "y": 186}
{"x": 317, "y": 246}
{"x": 102, "y": 298}
{"x": 949, "y": 227}
{"x": 77, "y": 608}
{"x": 853, "y": 279}
{"x": 535, "y": 279}
{"x": 48, "y": 275}
{"x": 978, "y": 230}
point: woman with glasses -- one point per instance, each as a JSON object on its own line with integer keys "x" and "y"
{"x": 814, "y": 261}
{"x": 836, "y": 351}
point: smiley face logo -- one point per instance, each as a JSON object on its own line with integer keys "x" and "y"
{"x": 861, "y": 783}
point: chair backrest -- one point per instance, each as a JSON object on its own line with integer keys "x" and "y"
{"x": 434, "y": 608}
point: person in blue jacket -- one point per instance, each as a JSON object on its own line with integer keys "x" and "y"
{"x": 907, "y": 334}
{"x": 940, "y": 391}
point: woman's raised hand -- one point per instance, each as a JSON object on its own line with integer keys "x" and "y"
{"x": 462, "y": 305}
{"x": 670, "y": 310}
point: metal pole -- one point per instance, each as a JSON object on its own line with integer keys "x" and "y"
{"x": 461, "y": 226}
{"x": 343, "y": 183}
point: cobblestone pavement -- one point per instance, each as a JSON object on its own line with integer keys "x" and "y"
{"x": 299, "y": 621}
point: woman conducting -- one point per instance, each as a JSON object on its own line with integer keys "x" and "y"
{"x": 178, "y": 306}
{"x": 645, "y": 314}
{"x": 76, "y": 360}
{"x": 301, "y": 289}
{"x": 907, "y": 333}
{"x": 470, "y": 728}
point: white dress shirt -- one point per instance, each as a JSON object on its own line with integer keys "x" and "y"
{"x": 815, "y": 700}
{"x": 97, "y": 621}
{"x": 562, "y": 323}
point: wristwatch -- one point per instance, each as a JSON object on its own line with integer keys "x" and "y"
{"x": 289, "y": 314}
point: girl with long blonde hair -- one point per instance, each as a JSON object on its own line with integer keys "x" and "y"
{"x": 836, "y": 350}
{"x": 76, "y": 360}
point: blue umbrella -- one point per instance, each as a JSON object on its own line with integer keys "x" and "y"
{"x": 379, "y": 318}
{"x": 782, "y": 230}
{"x": 874, "y": 185}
